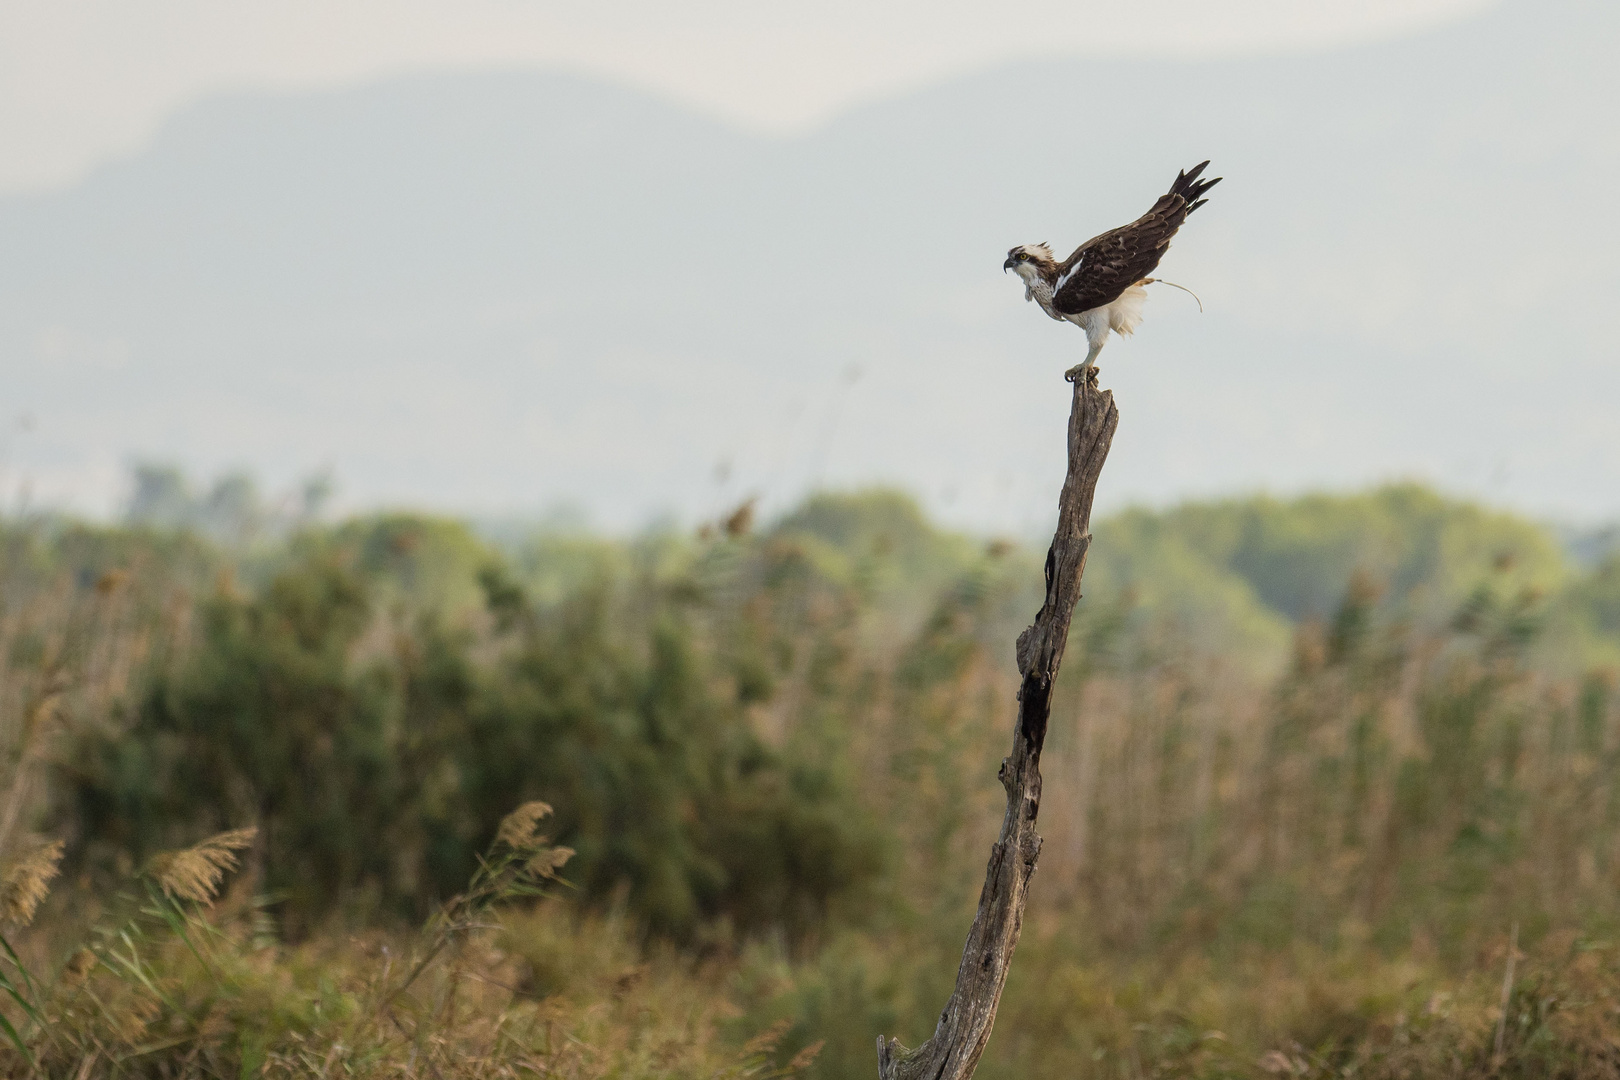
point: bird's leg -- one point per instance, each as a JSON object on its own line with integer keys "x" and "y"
{"x": 1074, "y": 373}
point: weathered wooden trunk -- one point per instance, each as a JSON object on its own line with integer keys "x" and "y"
{"x": 953, "y": 1051}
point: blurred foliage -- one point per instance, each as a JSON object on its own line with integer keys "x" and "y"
{"x": 231, "y": 511}
{"x": 1237, "y": 575}
{"x": 172, "y": 981}
{"x": 376, "y": 741}
{"x": 1310, "y": 761}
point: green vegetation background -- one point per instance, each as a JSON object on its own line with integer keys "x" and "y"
{"x": 1314, "y": 763}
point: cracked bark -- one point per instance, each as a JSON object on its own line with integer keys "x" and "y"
{"x": 964, "y": 1025}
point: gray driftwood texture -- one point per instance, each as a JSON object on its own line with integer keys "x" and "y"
{"x": 964, "y": 1025}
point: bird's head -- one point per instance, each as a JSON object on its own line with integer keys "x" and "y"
{"x": 1031, "y": 261}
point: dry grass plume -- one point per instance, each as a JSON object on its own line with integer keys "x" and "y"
{"x": 195, "y": 873}
{"x": 26, "y": 882}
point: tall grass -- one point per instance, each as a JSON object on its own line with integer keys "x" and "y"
{"x": 776, "y": 756}
{"x": 169, "y": 983}
{"x": 1417, "y": 790}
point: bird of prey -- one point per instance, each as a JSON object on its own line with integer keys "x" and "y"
{"x": 1099, "y": 287}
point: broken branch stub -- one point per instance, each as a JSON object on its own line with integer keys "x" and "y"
{"x": 964, "y": 1026}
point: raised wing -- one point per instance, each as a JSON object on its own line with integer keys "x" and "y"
{"x": 1107, "y": 265}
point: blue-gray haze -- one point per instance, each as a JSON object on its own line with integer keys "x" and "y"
{"x": 498, "y": 291}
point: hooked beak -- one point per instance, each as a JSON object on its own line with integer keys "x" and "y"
{"x": 1006, "y": 266}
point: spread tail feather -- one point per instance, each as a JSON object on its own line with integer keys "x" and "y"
{"x": 1192, "y": 189}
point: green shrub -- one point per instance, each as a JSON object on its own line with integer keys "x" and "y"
{"x": 377, "y": 750}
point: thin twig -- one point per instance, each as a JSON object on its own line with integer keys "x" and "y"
{"x": 1507, "y": 993}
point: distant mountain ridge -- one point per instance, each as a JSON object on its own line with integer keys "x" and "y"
{"x": 488, "y": 291}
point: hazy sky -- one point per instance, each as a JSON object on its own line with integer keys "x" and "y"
{"x": 81, "y": 80}
{"x": 332, "y": 266}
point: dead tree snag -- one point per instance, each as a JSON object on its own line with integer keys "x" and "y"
{"x": 953, "y": 1051}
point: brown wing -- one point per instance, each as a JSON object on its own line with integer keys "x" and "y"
{"x": 1107, "y": 265}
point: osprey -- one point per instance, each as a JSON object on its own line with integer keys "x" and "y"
{"x": 1099, "y": 287}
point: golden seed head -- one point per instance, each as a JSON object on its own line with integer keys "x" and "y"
{"x": 27, "y": 881}
{"x": 196, "y": 872}
{"x": 518, "y": 829}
